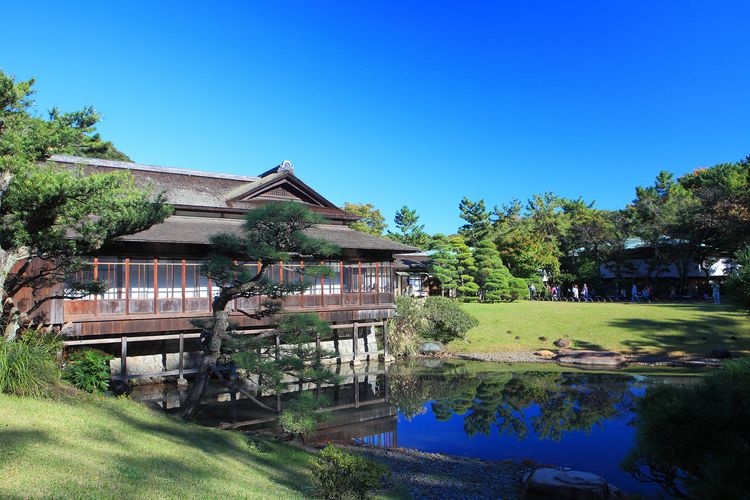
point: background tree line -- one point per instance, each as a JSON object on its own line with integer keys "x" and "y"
{"x": 498, "y": 252}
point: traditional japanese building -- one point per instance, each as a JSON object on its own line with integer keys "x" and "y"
{"x": 156, "y": 289}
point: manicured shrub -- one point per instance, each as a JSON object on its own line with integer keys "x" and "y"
{"x": 405, "y": 328}
{"x": 337, "y": 474}
{"x": 446, "y": 320}
{"x": 88, "y": 370}
{"x": 28, "y": 366}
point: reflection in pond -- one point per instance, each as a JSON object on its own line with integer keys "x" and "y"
{"x": 582, "y": 420}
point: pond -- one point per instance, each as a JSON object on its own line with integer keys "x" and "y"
{"x": 582, "y": 420}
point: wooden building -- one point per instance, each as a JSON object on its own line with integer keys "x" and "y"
{"x": 156, "y": 289}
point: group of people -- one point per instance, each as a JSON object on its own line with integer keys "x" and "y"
{"x": 578, "y": 294}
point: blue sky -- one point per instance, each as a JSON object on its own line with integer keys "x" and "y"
{"x": 394, "y": 103}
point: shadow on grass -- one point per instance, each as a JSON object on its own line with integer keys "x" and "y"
{"x": 13, "y": 443}
{"x": 696, "y": 335}
{"x": 277, "y": 463}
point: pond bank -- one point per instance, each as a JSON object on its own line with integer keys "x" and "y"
{"x": 435, "y": 475}
{"x": 632, "y": 359}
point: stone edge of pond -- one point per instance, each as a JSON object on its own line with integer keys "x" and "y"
{"x": 631, "y": 359}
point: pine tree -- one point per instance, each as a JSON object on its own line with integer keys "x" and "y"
{"x": 444, "y": 265}
{"x": 466, "y": 268}
{"x": 491, "y": 275}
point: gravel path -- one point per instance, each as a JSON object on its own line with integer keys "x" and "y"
{"x": 433, "y": 475}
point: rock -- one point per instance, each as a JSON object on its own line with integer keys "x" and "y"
{"x": 563, "y": 343}
{"x": 591, "y": 358}
{"x": 68, "y": 330}
{"x": 518, "y": 337}
{"x": 431, "y": 347}
{"x": 545, "y": 354}
{"x": 547, "y": 482}
{"x": 543, "y": 338}
{"x": 719, "y": 353}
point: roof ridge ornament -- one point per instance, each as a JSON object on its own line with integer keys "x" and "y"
{"x": 286, "y": 166}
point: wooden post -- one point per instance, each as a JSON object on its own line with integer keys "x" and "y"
{"x": 355, "y": 343}
{"x": 184, "y": 283}
{"x": 127, "y": 285}
{"x": 124, "y": 359}
{"x": 181, "y": 362}
{"x": 377, "y": 283}
{"x": 277, "y": 355}
{"x": 156, "y": 285}
{"x": 96, "y": 277}
{"x": 359, "y": 280}
{"x": 356, "y": 391}
{"x": 322, "y": 289}
{"x": 341, "y": 282}
{"x": 385, "y": 340}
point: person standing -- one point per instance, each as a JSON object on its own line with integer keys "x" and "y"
{"x": 575, "y": 292}
{"x": 585, "y": 292}
{"x": 716, "y": 293}
{"x": 634, "y": 293}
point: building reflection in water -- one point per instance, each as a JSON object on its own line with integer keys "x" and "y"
{"x": 359, "y": 409}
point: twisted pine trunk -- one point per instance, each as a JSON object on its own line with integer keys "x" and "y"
{"x": 211, "y": 353}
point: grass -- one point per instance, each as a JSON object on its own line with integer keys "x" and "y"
{"x": 661, "y": 329}
{"x": 107, "y": 448}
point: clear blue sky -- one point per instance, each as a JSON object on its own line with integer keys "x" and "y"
{"x": 394, "y": 103}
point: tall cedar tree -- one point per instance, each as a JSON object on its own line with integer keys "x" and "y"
{"x": 271, "y": 233}
{"x": 52, "y": 216}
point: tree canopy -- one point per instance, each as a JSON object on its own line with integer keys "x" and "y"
{"x": 371, "y": 220}
{"x": 51, "y": 216}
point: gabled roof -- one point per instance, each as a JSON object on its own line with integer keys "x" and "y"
{"x": 196, "y": 189}
{"x": 279, "y": 186}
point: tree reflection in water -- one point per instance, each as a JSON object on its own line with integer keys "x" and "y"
{"x": 556, "y": 403}
{"x": 695, "y": 441}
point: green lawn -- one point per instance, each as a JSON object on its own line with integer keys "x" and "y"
{"x": 112, "y": 448}
{"x": 628, "y": 328}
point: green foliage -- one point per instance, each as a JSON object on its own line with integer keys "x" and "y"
{"x": 43, "y": 205}
{"x": 738, "y": 285}
{"x": 444, "y": 265}
{"x": 28, "y": 367}
{"x": 371, "y": 220}
{"x": 695, "y": 440}
{"x": 300, "y": 415}
{"x": 88, "y": 370}
{"x": 466, "y": 268}
{"x": 411, "y": 232}
{"x": 438, "y": 318}
{"x": 406, "y": 326}
{"x": 446, "y": 320}
{"x": 478, "y": 224}
{"x": 341, "y": 475}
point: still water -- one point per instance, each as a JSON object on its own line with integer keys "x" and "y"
{"x": 580, "y": 420}
{"x": 577, "y": 419}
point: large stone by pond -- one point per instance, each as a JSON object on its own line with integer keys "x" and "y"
{"x": 547, "y": 483}
{"x": 431, "y": 347}
{"x": 590, "y": 358}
